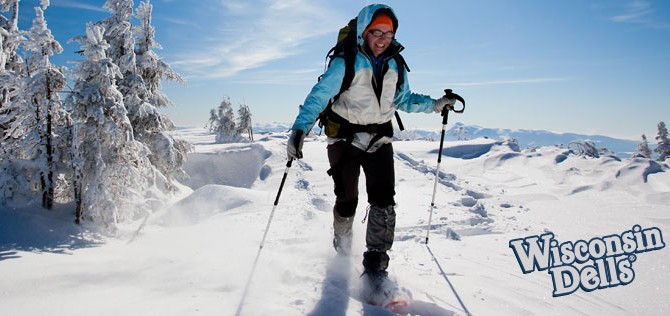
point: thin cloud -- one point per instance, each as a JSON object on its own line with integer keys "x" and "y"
{"x": 78, "y": 5}
{"x": 510, "y": 82}
{"x": 281, "y": 77}
{"x": 636, "y": 11}
{"x": 175, "y": 21}
{"x": 272, "y": 30}
{"x": 640, "y": 12}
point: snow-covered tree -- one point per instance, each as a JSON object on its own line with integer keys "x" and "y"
{"x": 585, "y": 148}
{"x": 17, "y": 173}
{"x": 45, "y": 81}
{"x": 119, "y": 35}
{"x": 152, "y": 68}
{"x": 131, "y": 48}
{"x": 459, "y": 132}
{"x": 222, "y": 123}
{"x": 9, "y": 37}
{"x": 151, "y": 127}
{"x": 663, "y": 148}
{"x": 13, "y": 110}
{"x": 34, "y": 125}
{"x": 244, "y": 121}
{"x": 11, "y": 66}
{"x": 643, "y": 148}
{"x": 111, "y": 168}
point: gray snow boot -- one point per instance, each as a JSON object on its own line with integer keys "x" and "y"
{"x": 342, "y": 231}
{"x": 381, "y": 228}
{"x": 378, "y": 239}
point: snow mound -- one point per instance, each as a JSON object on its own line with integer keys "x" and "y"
{"x": 206, "y": 202}
{"x": 640, "y": 169}
{"x": 237, "y": 165}
{"x": 562, "y": 157}
{"x": 476, "y": 148}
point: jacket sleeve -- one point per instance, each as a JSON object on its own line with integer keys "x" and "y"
{"x": 408, "y": 101}
{"x": 321, "y": 93}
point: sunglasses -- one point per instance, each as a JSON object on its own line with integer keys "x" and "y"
{"x": 380, "y": 33}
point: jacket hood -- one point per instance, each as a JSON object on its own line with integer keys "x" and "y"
{"x": 368, "y": 14}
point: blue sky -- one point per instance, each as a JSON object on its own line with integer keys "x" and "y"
{"x": 584, "y": 66}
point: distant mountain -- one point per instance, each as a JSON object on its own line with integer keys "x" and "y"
{"x": 525, "y": 138}
{"x": 531, "y": 138}
{"x": 272, "y": 127}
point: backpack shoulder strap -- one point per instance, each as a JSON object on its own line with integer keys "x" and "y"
{"x": 402, "y": 66}
{"x": 350, "y": 50}
{"x": 349, "y": 61}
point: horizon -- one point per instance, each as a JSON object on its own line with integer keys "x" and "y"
{"x": 450, "y": 126}
{"x": 600, "y": 70}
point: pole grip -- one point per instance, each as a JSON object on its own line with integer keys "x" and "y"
{"x": 445, "y": 115}
{"x": 451, "y": 95}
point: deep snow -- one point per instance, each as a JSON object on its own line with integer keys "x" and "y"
{"x": 195, "y": 256}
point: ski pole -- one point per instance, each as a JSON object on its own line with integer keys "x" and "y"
{"x": 265, "y": 233}
{"x": 445, "y": 117}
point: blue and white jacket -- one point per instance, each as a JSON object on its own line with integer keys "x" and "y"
{"x": 359, "y": 104}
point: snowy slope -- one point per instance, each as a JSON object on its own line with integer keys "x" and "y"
{"x": 195, "y": 257}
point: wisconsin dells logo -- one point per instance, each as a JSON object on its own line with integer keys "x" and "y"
{"x": 596, "y": 264}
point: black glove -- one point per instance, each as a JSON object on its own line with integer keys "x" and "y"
{"x": 294, "y": 145}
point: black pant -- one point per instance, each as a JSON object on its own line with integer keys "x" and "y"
{"x": 346, "y": 161}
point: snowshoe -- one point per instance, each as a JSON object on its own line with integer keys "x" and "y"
{"x": 379, "y": 290}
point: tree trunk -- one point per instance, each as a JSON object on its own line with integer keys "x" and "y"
{"x": 48, "y": 193}
{"x": 77, "y": 196}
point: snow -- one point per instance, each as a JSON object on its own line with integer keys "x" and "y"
{"x": 195, "y": 256}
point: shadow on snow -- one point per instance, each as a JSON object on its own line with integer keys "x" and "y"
{"x": 39, "y": 230}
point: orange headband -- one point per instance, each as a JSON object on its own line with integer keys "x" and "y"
{"x": 381, "y": 19}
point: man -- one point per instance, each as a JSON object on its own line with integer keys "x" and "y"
{"x": 359, "y": 130}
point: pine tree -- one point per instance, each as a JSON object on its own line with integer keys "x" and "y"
{"x": 663, "y": 148}
{"x": 110, "y": 166}
{"x": 222, "y": 122}
{"x": 168, "y": 152}
{"x": 13, "y": 110}
{"x": 50, "y": 120}
{"x": 11, "y": 66}
{"x": 244, "y": 121}
{"x": 118, "y": 33}
{"x": 643, "y": 148}
{"x": 142, "y": 72}
{"x": 119, "y": 36}
{"x": 10, "y": 37}
{"x": 16, "y": 170}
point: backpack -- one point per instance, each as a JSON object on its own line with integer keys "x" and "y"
{"x": 347, "y": 48}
